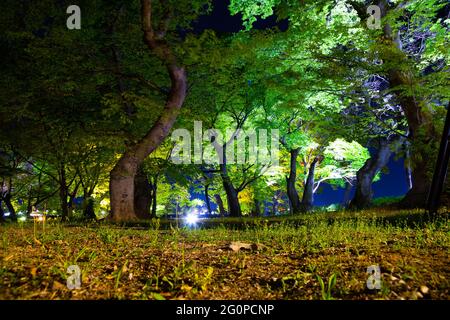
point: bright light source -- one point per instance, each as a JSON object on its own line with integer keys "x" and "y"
{"x": 22, "y": 218}
{"x": 191, "y": 219}
{"x": 6, "y": 214}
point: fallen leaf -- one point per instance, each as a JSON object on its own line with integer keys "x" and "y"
{"x": 58, "y": 286}
{"x": 236, "y": 246}
{"x": 424, "y": 289}
{"x": 8, "y": 258}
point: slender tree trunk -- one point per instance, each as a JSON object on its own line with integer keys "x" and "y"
{"x": 308, "y": 192}
{"x": 154, "y": 193}
{"x": 219, "y": 202}
{"x": 257, "y": 208}
{"x": 274, "y": 205}
{"x": 348, "y": 191}
{"x": 408, "y": 171}
{"x": 123, "y": 174}
{"x": 2, "y": 213}
{"x": 207, "y": 200}
{"x": 72, "y": 196}
{"x": 63, "y": 193}
{"x": 294, "y": 200}
{"x": 365, "y": 175}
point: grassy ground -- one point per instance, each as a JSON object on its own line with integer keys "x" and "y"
{"x": 231, "y": 259}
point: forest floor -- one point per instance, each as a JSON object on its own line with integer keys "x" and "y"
{"x": 233, "y": 259}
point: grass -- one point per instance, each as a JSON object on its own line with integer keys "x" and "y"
{"x": 316, "y": 256}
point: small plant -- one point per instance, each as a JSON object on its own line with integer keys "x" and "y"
{"x": 107, "y": 235}
{"x": 119, "y": 274}
{"x": 202, "y": 282}
{"x": 326, "y": 292}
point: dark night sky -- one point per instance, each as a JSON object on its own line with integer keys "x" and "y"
{"x": 391, "y": 184}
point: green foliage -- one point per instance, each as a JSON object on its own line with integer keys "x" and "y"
{"x": 326, "y": 291}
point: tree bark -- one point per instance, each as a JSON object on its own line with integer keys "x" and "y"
{"x": 63, "y": 193}
{"x": 308, "y": 192}
{"x": 122, "y": 186}
{"x": 348, "y": 190}
{"x": 154, "y": 193}
{"x": 234, "y": 207}
{"x": 2, "y": 213}
{"x": 207, "y": 200}
{"x": 294, "y": 200}
{"x": 219, "y": 202}
{"x": 142, "y": 195}
{"x": 364, "y": 177}
{"x": 421, "y": 127}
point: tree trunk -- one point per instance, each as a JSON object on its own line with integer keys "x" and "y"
{"x": 422, "y": 131}
{"x": 2, "y": 213}
{"x": 348, "y": 191}
{"x": 365, "y": 175}
{"x": 219, "y": 202}
{"x": 142, "y": 195}
{"x": 12, "y": 211}
{"x": 257, "y": 208}
{"x": 63, "y": 193}
{"x": 207, "y": 200}
{"x": 72, "y": 196}
{"x": 88, "y": 207}
{"x": 274, "y": 205}
{"x": 123, "y": 174}
{"x": 234, "y": 208}
{"x": 308, "y": 191}
{"x": 294, "y": 200}
{"x": 154, "y": 188}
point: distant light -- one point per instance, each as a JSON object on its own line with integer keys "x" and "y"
{"x": 191, "y": 219}
{"x": 22, "y": 218}
{"x": 6, "y": 214}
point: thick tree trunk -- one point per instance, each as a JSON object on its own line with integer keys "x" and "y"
{"x": 294, "y": 200}
{"x": 365, "y": 175}
{"x": 142, "y": 195}
{"x": 234, "y": 208}
{"x": 12, "y": 211}
{"x": 122, "y": 186}
{"x": 308, "y": 192}
{"x": 422, "y": 131}
{"x": 219, "y": 202}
